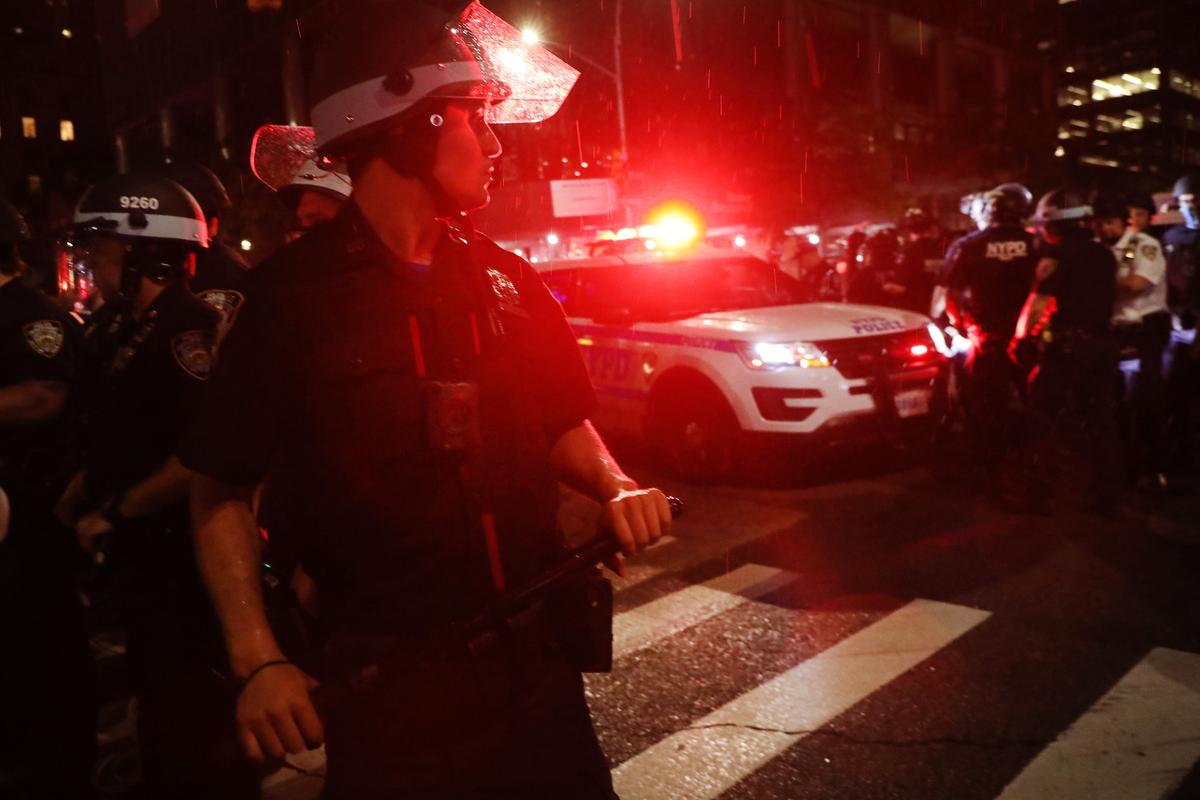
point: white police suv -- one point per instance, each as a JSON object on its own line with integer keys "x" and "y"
{"x": 708, "y": 351}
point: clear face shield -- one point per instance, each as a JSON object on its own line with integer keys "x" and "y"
{"x": 283, "y": 156}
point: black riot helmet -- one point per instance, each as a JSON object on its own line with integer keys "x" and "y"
{"x": 1107, "y": 204}
{"x": 381, "y": 78}
{"x": 202, "y": 183}
{"x": 1187, "y": 184}
{"x": 1007, "y": 204}
{"x": 14, "y": 231}
{"x": 159, "y": 223}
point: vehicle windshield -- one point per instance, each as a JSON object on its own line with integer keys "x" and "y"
{"x": 676, "y": 290}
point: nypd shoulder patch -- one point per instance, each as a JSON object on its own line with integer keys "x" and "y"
{"x": 1150, "y": 251}
{"x": 45, "y": 337}
{"x": 193, "y": 351}
{"x": 226, "y": 301}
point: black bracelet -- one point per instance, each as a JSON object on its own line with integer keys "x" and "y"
{"x": 274, "y": 663}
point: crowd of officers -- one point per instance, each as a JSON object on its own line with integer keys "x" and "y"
{"x": 91, "y": 412}
{"x": 1069, "y": 318}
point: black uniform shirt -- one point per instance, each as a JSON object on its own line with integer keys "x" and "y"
{"x": 1083, "y": 284}
{"x": 150, "y": 370}
{"x": 325, "y": 384}
{"x": 1182, "y": 246}
{"x": 37, "y": 343}
{"x": 994, "y": 267}
{"x": 920, "y": 264}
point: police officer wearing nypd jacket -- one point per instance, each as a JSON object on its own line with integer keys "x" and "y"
{"x": 1067, "y": 317}
{"x": 1182, "y": 245}
{"x": 420, "y": 388}
{"x": 1142, "y": 327}
{"x": 988, "y": 275}
{"x": 47, "y": 710}
{"x": 152, "y": 341}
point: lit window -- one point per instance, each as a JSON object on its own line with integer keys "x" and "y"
{"x": 1125, "y": 84}
{"x": 1185, "y": 85}
{"x": 1073, "y": 96}
{"x": 66, "y": 130}
{"x": 1060, "y": 151}
{"x": 66, "y": 33}
{"x": 29, "y": 127}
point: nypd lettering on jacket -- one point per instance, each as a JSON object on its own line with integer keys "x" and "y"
{"x": 1006, "y": 251}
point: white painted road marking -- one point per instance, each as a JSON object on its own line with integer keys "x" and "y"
{"x": 1136, "y": 743}
{"x": 645, "y": 625}
{"x": 740, "y": 737}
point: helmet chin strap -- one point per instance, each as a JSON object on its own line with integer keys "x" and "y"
{"x": 412, "y": 153}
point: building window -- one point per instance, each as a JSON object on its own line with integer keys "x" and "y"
{"x": 1185, "y": 85}
{"x": 1128, "y": 120}
{"x": 1073, "y": 96}
{"x": 1073, "y": 129}
{"x": 66, "y": 130}
{"x": 1125, "y": 84}
{"x": 35, "y": 184}
{"x": 29, "y": 127}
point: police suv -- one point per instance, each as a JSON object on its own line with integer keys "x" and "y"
{"x": 712, "y": 352}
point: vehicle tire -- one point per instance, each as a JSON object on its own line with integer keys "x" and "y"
{"x": 695, "y": 436}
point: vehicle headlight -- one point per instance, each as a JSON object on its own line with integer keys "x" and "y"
{"x": 773, "y": 355}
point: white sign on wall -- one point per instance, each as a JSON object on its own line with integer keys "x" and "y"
{"x": 583, "y": 198}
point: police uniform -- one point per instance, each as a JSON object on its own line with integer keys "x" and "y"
{"x": 1142, "y": 327}
{"x": 410, "y": 411}
{"x": 47, "y": 707}
{"x": 992, "y": 271}
{"x": 220, "y": 279}
{"x": 1073, "y": 384}
{"x": 1182, "y": 246}
{"x": 921, "y": 261}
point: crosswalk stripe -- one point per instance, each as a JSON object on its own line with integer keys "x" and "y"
{"x": 643, "y": 626}
{"x": 1137, "y": 742}
{"x": 731, "y": 743}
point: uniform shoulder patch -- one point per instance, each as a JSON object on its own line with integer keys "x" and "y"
{"x": 193, "y": 351}
{"x": 45, "y": 337}
{"x": 1046, "y": 267}
{"x": 504, "y": 288}
{"x": 1149, "y": 250}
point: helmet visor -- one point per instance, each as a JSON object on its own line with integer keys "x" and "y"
{"x": 531, "y": 81}
{"x": 286, "y": 155}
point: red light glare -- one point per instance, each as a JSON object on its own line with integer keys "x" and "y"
{"x": 919, "y": 350}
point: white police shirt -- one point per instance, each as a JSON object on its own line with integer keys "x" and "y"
{"x": 1140, "y": 254}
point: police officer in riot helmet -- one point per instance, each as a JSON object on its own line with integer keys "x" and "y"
{"x": 420, "y": 388}
{"x": 987, "y": 279}
{"x": 220, "y": 270}
{"x": 47, "y": 736}
{"x": 1066, "y": 318}
{"x": 152, "y": 342}
{"x": 1142, "y": 328}
{"x": 1182, "y": 245}
{"x": 921, "y": 259}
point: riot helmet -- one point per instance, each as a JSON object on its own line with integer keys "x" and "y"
{"x": 202, "y": 183}
{"x": 1007, "y": 204}
{"x": 284, "y": 157}
{"x": 916, "y": 221}
{"x": 1062, "y": 210}
{"x": 381, "y": 80}
{"x": 156, "y": 223}
{"x": 1189, "y": 204}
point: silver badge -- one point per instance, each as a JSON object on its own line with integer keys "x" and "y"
{"x": 504, "y": 288}
{"x": 45, "y": 337}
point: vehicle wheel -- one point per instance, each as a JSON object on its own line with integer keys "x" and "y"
{"x": 696, "y": 438}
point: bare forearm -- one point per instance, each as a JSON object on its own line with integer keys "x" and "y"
{"x": 1034, "y": 315}
{"x": 227, "y": 551}
{"x": 581, "y": 461}
{"x": 164, "y": 488}
{"x": 31, "y": 402}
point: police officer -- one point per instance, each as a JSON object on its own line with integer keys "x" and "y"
{"x": 284, "y": 158}
{"x": 47, "y": 708}
{"x": 1142, "y": 328}
{"x": 1182, "y": 245}
{"x": 988, "y": 276}
{"x": 139, "y": 234}
{"x": 220, "y": 270}
{"x": 921, "y": 260}
{"x": 420, "y": 387}
{"x": 1141, "y": 213}
{"x": 1068, "y": 312}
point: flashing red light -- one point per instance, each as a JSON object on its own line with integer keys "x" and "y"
{"x": 919, "y": 350}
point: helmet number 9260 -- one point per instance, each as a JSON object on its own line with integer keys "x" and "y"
{"x": 134, "y": 201}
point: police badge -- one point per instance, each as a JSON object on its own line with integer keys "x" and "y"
{"x": 193, "y": 352}
{"x": 503, "y": 287}
{"x": 1149, "y": 252}
{"x": 226, "y": 301}
{"x": 44, "y": 337}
